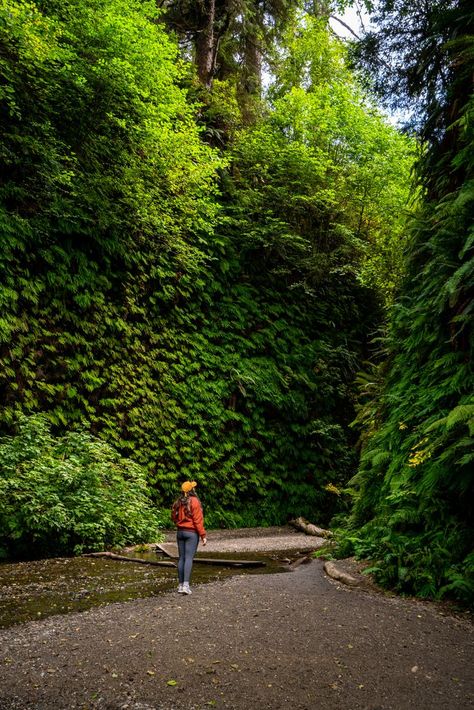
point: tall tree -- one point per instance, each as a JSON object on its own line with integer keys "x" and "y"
{"x": 229, "y": 39}
{"x": 200, "y": 25}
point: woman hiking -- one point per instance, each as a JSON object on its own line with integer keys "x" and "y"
{"x": 187, "y": 515}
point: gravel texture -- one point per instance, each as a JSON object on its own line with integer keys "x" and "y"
{"x": 296, "y": 640}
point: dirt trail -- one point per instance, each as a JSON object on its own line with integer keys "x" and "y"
{"x": 297, "y": 640}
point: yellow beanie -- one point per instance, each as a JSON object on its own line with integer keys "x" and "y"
{"x": 188, "y": 486}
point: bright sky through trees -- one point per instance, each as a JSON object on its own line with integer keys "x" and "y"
{"x": 352, "y": 18}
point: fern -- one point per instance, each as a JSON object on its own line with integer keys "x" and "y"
{"x": 415, "y": 484}
{"x": 462, "y": 414}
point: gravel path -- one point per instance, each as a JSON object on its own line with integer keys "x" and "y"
{"x": 297, "y": 640}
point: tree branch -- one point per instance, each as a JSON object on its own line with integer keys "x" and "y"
{"x": 333, "y": 17}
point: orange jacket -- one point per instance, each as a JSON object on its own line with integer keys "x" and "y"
{"x": 194, "y": 520}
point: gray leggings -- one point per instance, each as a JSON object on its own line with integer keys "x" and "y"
{"x": 188, "y": 541}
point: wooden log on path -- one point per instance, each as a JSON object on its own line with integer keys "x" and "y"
{"x": 333, "y": 571}
{"x": 168, "y": 563}
{"x": 123, "y": 558}
{"x": 171, "y": 551}
{"x": 309, "y": 529}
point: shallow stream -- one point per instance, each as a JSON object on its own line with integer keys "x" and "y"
{"x": 41, "y": 588}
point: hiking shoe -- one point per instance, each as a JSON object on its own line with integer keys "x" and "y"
{"x": 186, "y": 589}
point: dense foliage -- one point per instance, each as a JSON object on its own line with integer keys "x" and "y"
{"x": 203, "y": 312}
{"x": 69, "y": 494}
{"x": 413, "y": 509}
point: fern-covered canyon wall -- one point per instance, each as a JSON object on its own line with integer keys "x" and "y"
{"x": 193, "y": 276}
{"x": 415, "y": 485}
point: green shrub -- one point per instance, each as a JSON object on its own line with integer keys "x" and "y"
{"x": 69, "y": 494}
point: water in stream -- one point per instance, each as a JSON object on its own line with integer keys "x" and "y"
{"x": 41, "y": 588}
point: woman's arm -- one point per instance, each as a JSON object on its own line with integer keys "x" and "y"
{"x": 198, "y": 518}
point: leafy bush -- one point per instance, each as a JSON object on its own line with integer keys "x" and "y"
{"x": 69, "y": 494}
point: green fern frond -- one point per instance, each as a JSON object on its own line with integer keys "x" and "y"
{"x": 462, "y": 414}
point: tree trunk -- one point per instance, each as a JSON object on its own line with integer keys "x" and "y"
{"x": 205, "y": 44}
{"x": 251, "y": 80}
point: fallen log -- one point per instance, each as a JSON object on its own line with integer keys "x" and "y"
{"x": 171, "y": 551}
{"x": 306, "y": 559}
{"x": 123, "y": 558}
{"x": 333, "y": 571}
{"x": 309, "y": 529}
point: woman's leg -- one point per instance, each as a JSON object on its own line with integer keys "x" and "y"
{"x": 191, "y": 543}
{"x": 180, "y": 539}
